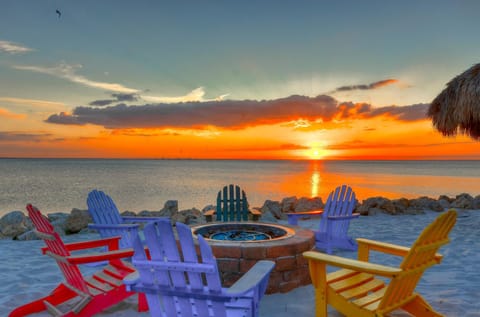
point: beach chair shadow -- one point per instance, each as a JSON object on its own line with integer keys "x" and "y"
{"x": 180, "y": 278}
{"x": 232, "y": 205}
{"x": 335, "y": 221}
{"x": 108, "y": 221}
{"x": 77, "y": 295}
{"x": 360, "y": 289}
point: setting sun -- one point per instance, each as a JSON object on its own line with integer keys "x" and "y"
{"x": 317, "y": 151}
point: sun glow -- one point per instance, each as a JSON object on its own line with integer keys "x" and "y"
{"x": 316, "y": 151}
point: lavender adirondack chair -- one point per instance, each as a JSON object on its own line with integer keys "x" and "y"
{"x": 177, "y": 283}
{"x": 109, "y": 222}
{"x": 333, "y": 231}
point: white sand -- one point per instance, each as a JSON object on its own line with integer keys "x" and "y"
{"x": 453, "y": 287}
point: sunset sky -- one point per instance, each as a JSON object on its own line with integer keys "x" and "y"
{"x": 231, "y": 79}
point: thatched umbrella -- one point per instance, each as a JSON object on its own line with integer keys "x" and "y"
{"x": 457, "y": 108}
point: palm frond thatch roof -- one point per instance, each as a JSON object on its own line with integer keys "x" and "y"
{"x": 457, "y": 108}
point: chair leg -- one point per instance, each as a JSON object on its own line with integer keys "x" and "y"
{"x": 59, "y": 295}
{"x": 420, "y": 307}
{"x": 318, "y": 272}
{"x": 142, "y": 302}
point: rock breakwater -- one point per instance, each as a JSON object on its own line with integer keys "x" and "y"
{"x": 17, "y": 226}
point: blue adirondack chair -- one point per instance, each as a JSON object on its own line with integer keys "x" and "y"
{"x": 232, "y": 205}
{"x": 109, "y": 222}
{"x": 177, "y": 283}
{"x": 333, "y": 231}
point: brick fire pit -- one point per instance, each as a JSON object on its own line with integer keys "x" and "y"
{"x": 234, "y": 258}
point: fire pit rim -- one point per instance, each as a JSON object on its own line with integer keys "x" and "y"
{"x": 289, "y": 232}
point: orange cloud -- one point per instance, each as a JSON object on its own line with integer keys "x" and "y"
{"x": 7, "y": 114}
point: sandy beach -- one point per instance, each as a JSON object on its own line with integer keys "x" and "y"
{"x": 453, "y": 287}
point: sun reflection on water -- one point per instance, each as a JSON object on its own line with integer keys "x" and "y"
{"x": 315, "y": 179}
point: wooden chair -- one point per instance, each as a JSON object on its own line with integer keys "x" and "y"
{"x": 333, "y": 229}
{"x": 109, "y": 222}
{"x": 78, "y": 296}
{"x": 356, "y": 290}
{"x": 177, "y": 283}
{"x": 232, "y": 205}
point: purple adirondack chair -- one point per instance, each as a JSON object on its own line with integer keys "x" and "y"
{"x": 333, "y": 231}
{"x": 109, "y": 222}
{"x": 177, "y": 283}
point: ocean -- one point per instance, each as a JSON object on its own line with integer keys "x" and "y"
{"x": 58, "y": 185}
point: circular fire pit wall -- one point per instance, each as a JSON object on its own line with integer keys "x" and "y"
{"x": 239, "y": 245}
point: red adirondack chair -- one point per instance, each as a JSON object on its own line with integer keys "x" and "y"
{"x": 85, "y": 296}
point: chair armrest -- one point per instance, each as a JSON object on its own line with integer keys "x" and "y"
{"x": 92, "y": 257}
{"x": 356, "y": 265}
{"x": 366, "y": 245}
{"x": 111, "y": 242}
{"x": 292, "y": 217}
{"x": 131, "y": 279}
{"x": 121, "y": 226}
{"x": 354, "y": 215}
{"x": 100, "y": 256}
{"x": 140, "y": 219}
{"x": 252, "y": 278}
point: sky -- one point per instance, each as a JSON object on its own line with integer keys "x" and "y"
{"x": 211, "y": 79}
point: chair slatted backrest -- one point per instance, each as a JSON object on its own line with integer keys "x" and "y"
{"x": 174, "y": 281}
{"x": 102, "y": 208}
{"x": 421, "y": 256}
{"x": 340, "y": 202}
{"x": 232, "y": 204}
{"x": 56, "y": 249}
{"x": 103, "y": 211}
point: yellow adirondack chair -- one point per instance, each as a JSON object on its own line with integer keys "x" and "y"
{"x": 355, "y": 290}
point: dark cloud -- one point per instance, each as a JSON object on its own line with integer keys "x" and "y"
{"x": 126, "y": 97}
{"x": 405, "y": 113}
{"x": 232, "y": 114}
{"x": 117, "y": 98}
{"x": 64, "y": 118}
{"x": 102, "y": 102}
{"x": 375, "y": 85}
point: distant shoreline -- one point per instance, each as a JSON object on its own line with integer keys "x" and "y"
{"x": 245, "y": 159}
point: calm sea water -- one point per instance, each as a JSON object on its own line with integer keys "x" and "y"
{"x": 62, "y": 184}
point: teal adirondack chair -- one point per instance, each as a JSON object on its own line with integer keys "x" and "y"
{"x": 108, "y": 221}
{"x": 335, "y": 221}
{"x": 232, "y": 205}
{"x": 177, "y": 283}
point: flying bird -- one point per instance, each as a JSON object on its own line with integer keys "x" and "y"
{"x": 59, "y": 13}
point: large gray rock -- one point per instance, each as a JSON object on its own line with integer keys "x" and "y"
{"x": 77, "y": 220}
{"x": 289, "y": 203}
{"x": 308, "y": 204}
{"x": 476, "y": 202}
{"x": 374, "y": 205}
{"x": 189, "y": 216}
{"x": 425, "y": 203}
{"x": 14, "y": 224}
{"x": 170, "y": 208}
{"x": 463, "y": 201}
{"x": 274, "y": 207}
